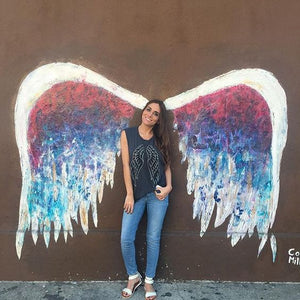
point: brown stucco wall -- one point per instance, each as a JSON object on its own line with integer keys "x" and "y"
{"x": 157, "y": 49}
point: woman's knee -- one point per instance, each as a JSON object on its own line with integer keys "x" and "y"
{"x": 127, "y": 238}
{"x": 153, "y": 236}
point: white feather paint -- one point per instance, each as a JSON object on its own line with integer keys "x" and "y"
{"x": 269, "y": 88}
{"x": 273, "y": 246}
{"x": 33, "y": 86}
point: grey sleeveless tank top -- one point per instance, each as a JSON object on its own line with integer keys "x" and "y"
{"x": 147, "y": 166}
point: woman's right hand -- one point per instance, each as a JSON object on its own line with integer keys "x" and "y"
{"x": 128, "y": 204}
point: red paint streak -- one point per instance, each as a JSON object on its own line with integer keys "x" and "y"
{"x": 242, "y": 105}
{"x": 73, "y": 103}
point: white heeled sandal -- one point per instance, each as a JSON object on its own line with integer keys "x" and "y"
{"x": 150, "y": 295}
{"x": 127, "y": 293}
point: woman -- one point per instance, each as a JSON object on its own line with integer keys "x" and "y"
{"x": 147, "y": 177}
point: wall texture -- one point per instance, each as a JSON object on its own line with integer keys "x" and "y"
{"x": 157, "y": 49}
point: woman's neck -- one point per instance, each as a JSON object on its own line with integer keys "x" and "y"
{"x": 145, "y": 131}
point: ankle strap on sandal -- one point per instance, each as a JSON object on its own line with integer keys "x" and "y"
{"x": 149, "y": 280}
{"x": 137, "y": 275}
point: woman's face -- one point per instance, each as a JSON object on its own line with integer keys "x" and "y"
{"x": 150, "y": 115}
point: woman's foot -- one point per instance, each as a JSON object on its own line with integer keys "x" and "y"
{"x": 150, "y": 291}
{"x": 134, "y": 282}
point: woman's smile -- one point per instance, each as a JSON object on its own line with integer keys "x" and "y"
{"x": 151, "y": 114}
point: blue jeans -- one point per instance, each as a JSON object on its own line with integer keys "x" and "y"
{"x": 156, "y": 211}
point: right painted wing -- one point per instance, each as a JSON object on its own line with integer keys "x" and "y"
{"x": 232, "y": 130}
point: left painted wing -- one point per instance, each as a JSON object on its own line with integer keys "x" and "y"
{"x": 232, "y": 131}
{"x": 68, "y": 121}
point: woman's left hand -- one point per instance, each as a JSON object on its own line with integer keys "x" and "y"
{"x": 162, "y": 192}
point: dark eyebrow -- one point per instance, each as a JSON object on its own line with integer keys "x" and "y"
{"x": 151, "y": 109}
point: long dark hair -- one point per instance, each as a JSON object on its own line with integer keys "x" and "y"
{"x": 160, "y": 131}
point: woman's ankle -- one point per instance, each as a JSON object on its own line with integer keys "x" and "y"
{"x": 148, "y": 287}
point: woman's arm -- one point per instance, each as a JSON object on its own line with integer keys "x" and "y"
{"x": 129, "y": 200}
{"x": 164, "y": 191}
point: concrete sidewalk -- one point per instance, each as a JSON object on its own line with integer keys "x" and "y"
{"x": 195, "y": 290}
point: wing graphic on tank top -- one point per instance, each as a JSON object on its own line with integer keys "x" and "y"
{"x": 137, "y": 162}
{"x": 232, "y": 131}
{"x": 153, "y": 164}
{"x": 68, "y": 121}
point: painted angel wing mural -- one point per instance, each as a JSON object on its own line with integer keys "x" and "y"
{"x": 68, "y": 122}
{"x": 232, "y": 131}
